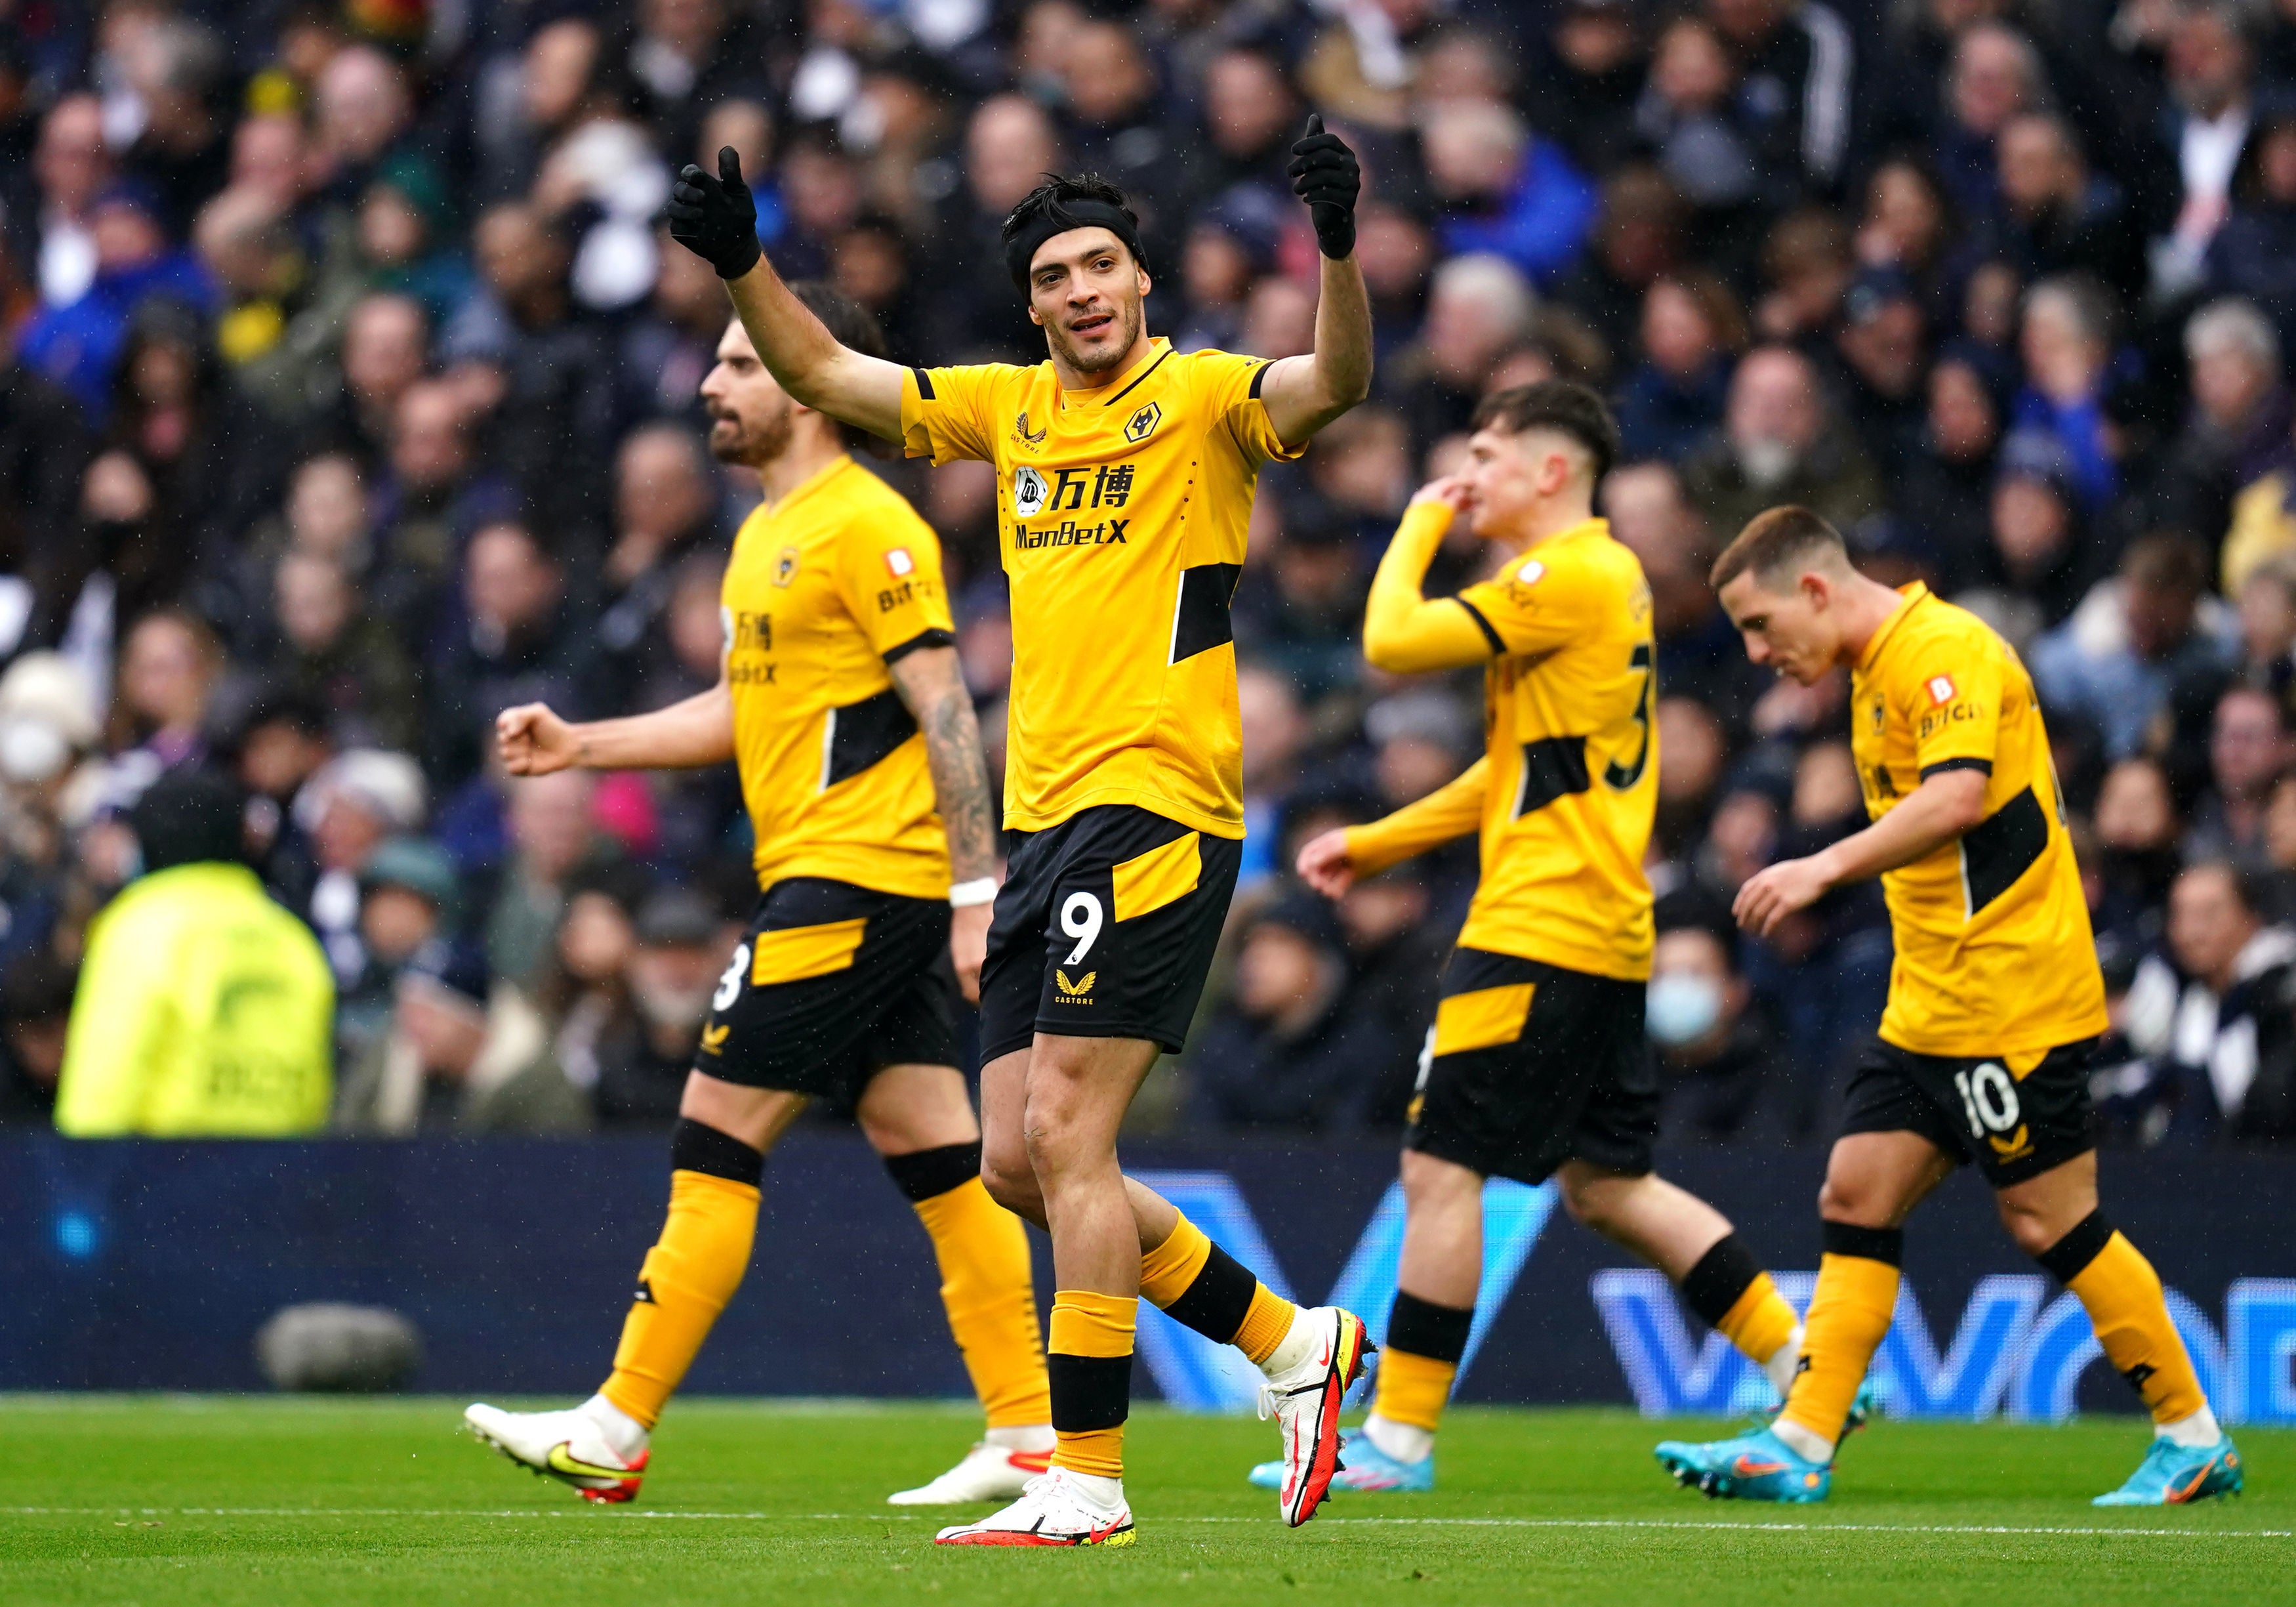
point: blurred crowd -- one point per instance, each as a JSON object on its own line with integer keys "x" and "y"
{"x": 348, "y": 395}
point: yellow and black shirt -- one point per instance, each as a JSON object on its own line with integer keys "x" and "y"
{"x": 1122, "y": 515}
{"x": 1567, "y": 787}
{"x": 823, "y": 589}
{"x": 1994, "y": 952}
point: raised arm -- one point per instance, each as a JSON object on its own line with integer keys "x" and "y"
{"x": 1406, "y": 632}
{"x": 930, "y": 684}
{"x": 1302, "y": 394}
{"x": 716, "y": 220}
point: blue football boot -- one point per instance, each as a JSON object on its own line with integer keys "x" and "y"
{"x": 2174, "y": 1475}
{"x": 1753, "y": 1467}
{"x": 1363, "y": 1466}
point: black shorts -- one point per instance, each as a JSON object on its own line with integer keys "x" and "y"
{"x": 832, "y": 983}
{"x": 2014, "y": 1127}
{"x": 1530, "y": 1066}
{"x": 1105, "y": 928}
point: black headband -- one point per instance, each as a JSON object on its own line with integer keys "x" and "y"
{"x": 1059, "y": 218}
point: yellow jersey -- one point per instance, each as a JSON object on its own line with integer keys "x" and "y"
{"x": 204, "y": 1010}
{"x": 1993, "y": 951}
{"x": 1121, "y": 516}
{"x": 1567, "y": 787}
{"x": 824, "y": 588}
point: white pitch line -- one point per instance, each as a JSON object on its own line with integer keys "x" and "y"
{"x": 1755, "y": 1527}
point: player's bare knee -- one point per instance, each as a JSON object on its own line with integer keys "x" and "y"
{"x": 2033, "y": 1228}
{"x": 1856, "y": 1201}
{"x": 1011, "y": 1182}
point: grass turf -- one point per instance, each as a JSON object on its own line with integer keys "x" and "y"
{"x": 281, "y": 1502}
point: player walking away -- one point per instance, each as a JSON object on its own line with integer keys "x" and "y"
{"x": 1538, "y": 1065}
{"x": 1127, "y": 471}
{"x": 1996, "y": 1004}
{"x": 841, "y": 703}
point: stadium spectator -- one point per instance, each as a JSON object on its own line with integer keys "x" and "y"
{"x": 464, "y": 1054}
{"x": 1287, "y": 1052}
{"x": 203, "y": 1010}
{"x": 2248, "y": 748}
{"x": 1780, "y": 443}
{"x": 672, "y": 971}
{"x": 35, "y": 1002}
{"x": 1716, "y": 1050}
{"x": 552, "y": 836}
{"x": 2215, "y": 1017}
{"x": 2114, "y": 661}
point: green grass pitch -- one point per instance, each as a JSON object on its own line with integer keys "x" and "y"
{"x": 282, "y": 1502}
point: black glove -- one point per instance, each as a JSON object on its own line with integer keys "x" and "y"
{"x": 1325, "y": 174}
{"x": 715, "y": 217}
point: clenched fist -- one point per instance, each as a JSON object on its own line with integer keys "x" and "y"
{"x": 533, "y": 741}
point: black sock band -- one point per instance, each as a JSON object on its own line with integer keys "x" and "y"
{"x": 1885, "y": 1245}
{"x": 1214, "y": 1305}
{"x": 2083, "y": 1243}
{"x": 1424, "y": 1329}
{"x": 1089, "y": 1391}
{"x": 697, "y": 1147}
{"x": 1721, "y": 1280}
{"x": 923, "y": 1174}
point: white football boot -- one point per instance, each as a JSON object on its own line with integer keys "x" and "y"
{"x": 1304, "y": 1399}
{"x": 571, "y": 1446}
{"x": 1058, "y": 1508}
{"x": 990, "y": 1472}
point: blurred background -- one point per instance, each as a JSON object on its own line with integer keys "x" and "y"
{"x": 347, "y": 395}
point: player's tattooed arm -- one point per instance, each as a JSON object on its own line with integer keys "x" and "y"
{"x": 931, "y": 685}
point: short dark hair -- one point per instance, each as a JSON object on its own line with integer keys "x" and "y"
{"x": 1772, "y": 542}
{"x": 1050, "y": 200}
{"x": 1562, "y": 405}
{"x": 852, "y": 327}
{"x": 190, "y": 817}
{"x": 2252, "y": 892}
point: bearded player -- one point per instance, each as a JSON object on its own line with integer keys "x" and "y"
{"x": 1996, "y": 1005}
{"x": 1126, "y": 473}
{"x": 839, "y": 702}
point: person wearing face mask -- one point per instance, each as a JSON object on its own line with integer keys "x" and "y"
{"x": 1713, "y": 1049}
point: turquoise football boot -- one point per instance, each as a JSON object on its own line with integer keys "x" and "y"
{"x": 1363, "y": 1466}
{"x": 2174, "y": 1475}
{"x": 1754, "y": 1467}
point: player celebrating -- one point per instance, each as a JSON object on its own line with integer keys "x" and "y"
{"x": 840, "y": 702}
{"x": 1538, "y": 1064}
{"x": 1127, "y": 472}
{"x": 1995, "y": 1003}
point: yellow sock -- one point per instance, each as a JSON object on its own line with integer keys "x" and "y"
{"x": 1265, "y": 1323}
{"x": 1759, "y": 1322}
{"x": 1412, "y": 1389}
{"x": 985, "y": 1288}
{"x": 1192, "y": 1279}
{"x": 1090, "y": 1362}
{"x": 690, "y": 1273}
{"x": 1856, "y": 1294}
{"x": 1167, "y": 1271}
{"x": 2121, "y": 1294}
